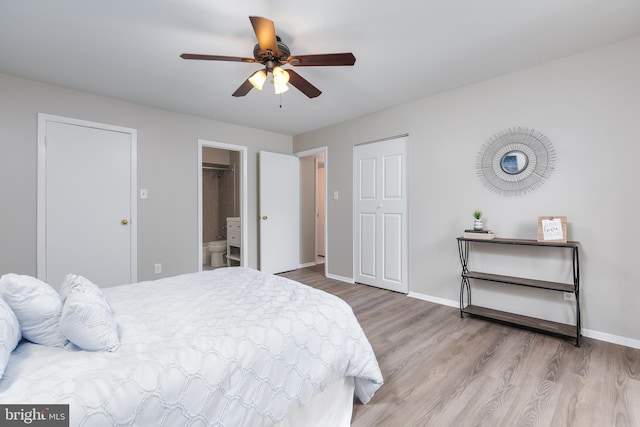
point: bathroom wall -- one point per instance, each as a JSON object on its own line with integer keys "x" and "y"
{"x": 210, "y": 199}
{"x": 234, "y": 199}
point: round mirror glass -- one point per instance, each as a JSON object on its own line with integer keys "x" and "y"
{"x": 514, "y": 162}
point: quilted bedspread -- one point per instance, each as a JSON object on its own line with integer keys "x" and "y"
{"x": 229, "y": 347}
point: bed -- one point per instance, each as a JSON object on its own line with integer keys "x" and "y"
{"x": 228, "y": 347}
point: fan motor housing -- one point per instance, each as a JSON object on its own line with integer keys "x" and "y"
{"x": 263, "y": 56}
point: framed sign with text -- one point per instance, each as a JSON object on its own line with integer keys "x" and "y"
{"x": 552, "y": 229}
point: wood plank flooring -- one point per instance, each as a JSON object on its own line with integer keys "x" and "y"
{"x": 441, "y": 370}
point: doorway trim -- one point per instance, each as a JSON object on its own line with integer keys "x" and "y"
{"x": 312, "y": 152}
{"x": 244, "y": 235}
{"x": 41, "y": 192}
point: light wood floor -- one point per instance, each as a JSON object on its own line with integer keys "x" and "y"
{"x": 441, "y": 370}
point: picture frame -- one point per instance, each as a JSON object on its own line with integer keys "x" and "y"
{"x": 552, "y": 229}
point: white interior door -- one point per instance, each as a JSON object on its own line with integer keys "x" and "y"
{"x": 279, "y": 212}
{"x": 86, "y": 202}
{"x": 380, "y": 214}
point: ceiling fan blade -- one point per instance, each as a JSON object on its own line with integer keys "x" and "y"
{"x": 266, "y": 34}
{"x": 321, "y": 60}
{"x": 244, "y": 89}
{"x": 216, "y": 57}
{"x": 303, "y": 84}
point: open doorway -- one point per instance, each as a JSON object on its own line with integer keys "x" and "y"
{"x": 313, "y": 230}
{"x": 320, "y": 210}
{"x": 222, "y": 205}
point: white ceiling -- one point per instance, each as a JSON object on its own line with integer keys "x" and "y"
{"x": 405, "y": 49}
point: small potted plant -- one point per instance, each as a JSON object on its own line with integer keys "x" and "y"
{"x": 477, "y": 221}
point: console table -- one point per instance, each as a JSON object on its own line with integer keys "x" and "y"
{"x": 562, "y": 329}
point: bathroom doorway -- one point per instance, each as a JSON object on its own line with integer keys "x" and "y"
{"x": 222, "y": 205}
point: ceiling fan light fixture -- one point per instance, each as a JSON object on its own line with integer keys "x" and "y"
{"x": 280, "y": 88}
{"x": 258, "y": 78}
{"x": 280, "y": 76}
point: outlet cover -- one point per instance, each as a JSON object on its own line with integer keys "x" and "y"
{"x": 158, "y": 268}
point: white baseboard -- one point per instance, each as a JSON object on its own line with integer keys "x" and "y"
{"x": 307, "y": 264}
{"x": 441, "y": 301}
{"x": 340, "y": 278}
{"x": 596, "y": 335}
{"x": 614, "y": 339}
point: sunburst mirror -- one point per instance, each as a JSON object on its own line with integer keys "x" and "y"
{"x": 515, "y": 161}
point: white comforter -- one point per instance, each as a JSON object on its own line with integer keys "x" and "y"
{"x": 229, "y": 347}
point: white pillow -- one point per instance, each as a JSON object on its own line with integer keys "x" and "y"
{"x": 9, "y": 334}
{"x": 88, "y": 322}
{"x": 75, "y": 283}
{"x": 37, "y": 307}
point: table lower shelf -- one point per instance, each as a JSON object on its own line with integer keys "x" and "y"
{"x": 525, "y": 321}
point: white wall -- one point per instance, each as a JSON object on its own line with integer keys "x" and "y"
{"x": 167, "y": 167}
{"x": 589, "y": 106}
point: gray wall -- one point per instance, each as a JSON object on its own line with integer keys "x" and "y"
{"x": 589, "y": 106}
{"x": 167, "y": 167}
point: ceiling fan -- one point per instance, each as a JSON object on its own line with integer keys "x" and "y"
{"x": 272, "y": 53}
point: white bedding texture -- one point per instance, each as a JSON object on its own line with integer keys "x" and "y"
{"x": 227, "y": 347}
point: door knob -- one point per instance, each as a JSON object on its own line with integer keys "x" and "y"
{"x": 264, "y": 217}
{"x": 124, "y": 222}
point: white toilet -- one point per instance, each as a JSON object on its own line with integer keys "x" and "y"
{"x": 217, "y": 249}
